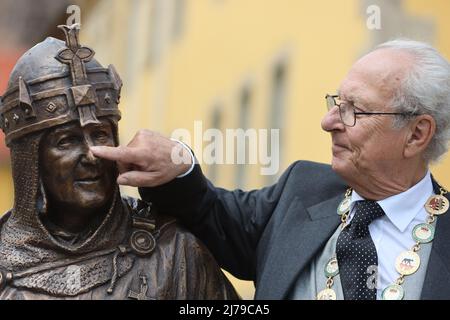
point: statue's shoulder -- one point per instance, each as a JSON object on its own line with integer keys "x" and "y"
{"x": 146, "y": 212}
{"x": 164, "y": 228}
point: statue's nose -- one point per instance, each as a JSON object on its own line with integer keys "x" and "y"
{"x": 88, "y": 156}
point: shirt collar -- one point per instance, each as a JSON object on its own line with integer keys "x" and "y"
{"x": 402, "y": 208}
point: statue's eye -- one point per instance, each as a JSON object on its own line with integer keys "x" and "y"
{"x": 67, "y": 141}
{"x": 100, "y": 135}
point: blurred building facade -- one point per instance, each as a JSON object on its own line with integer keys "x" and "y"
{"x": 246, "y": 64}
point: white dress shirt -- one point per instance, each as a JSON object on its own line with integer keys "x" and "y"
{"x": 392, "y": 233}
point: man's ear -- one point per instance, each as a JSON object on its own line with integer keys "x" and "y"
{"x": 422, "y": 130}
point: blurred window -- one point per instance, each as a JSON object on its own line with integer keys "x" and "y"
{"x": 216, "y": 122}
{"x": 243, "y": 148}
{"x": 277, "y": 108}
{"x": 179, "y": 17}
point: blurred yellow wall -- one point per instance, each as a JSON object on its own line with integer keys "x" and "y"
{"x": 183, "y": 61}
{"x": 6, "y": 188}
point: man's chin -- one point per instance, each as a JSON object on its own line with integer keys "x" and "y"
{"x": 340, "y": 166}
{"x": 346, "y": 169}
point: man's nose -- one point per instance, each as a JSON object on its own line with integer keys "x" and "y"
{"x": 332, "y": 121}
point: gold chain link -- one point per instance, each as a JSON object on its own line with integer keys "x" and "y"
{"x": 348, "y": 192}
{"x": 330, "y": 282}
{"x": 344, "y": 216}
{"x": 400, "y": 280}
{"x": 431, "y": 218}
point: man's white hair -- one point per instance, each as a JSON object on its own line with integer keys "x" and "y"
{"x": 425, "y": 90}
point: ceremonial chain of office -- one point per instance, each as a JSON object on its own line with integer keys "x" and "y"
{"x": 407, "y": 263}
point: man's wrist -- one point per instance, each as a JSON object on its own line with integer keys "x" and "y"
{"x": 186, "y": 147}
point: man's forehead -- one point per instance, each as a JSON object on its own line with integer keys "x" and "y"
{"x": 376, "y": 76}
{"x": 383, "y": 65}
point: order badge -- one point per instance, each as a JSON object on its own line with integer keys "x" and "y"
{"x": 331, "y": 268}
{"x": 344, "y": 206}
{"x": 393, "y": 292}
{"x": 423, "y": 233}
{"x": 407, "y": 263}
{"x": 437, "y": 205}
{"x": 326, "y": 294}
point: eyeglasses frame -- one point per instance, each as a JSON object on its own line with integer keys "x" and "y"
{"x": 362, "y": 113}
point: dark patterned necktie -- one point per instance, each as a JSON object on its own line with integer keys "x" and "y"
{"x": 357, "y": 255}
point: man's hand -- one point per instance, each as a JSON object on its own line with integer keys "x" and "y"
{"x": 149, "y": 160}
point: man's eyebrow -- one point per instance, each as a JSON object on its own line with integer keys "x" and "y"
{"x": 350, "y": 98}
{"x": 347, "y": 98}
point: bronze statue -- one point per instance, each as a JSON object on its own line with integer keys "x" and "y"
{"x": 70, "y": 233}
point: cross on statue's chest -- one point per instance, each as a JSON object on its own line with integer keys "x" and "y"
{"x": 142, "y": 295}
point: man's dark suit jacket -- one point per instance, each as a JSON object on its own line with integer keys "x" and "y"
{"x": 270, "y": 235}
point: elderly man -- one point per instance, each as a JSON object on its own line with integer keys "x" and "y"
{"x": 370, "y": 226}
{"x": 70, "y": 234}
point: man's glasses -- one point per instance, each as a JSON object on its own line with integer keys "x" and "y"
{"x": 348, "y": 114}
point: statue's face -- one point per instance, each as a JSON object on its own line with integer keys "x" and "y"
{"x": 71, "y": 174}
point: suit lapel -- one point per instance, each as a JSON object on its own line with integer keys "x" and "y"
{"x": 301, "y": 234}
{"x": 436, "y": 284}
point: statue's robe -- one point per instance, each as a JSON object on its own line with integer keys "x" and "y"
{"x": 151, "y": 258}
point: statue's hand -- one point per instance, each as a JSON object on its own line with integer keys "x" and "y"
{"x": 149, "y": 160}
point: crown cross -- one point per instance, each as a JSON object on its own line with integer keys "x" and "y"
{"x": 75, "y": 55}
